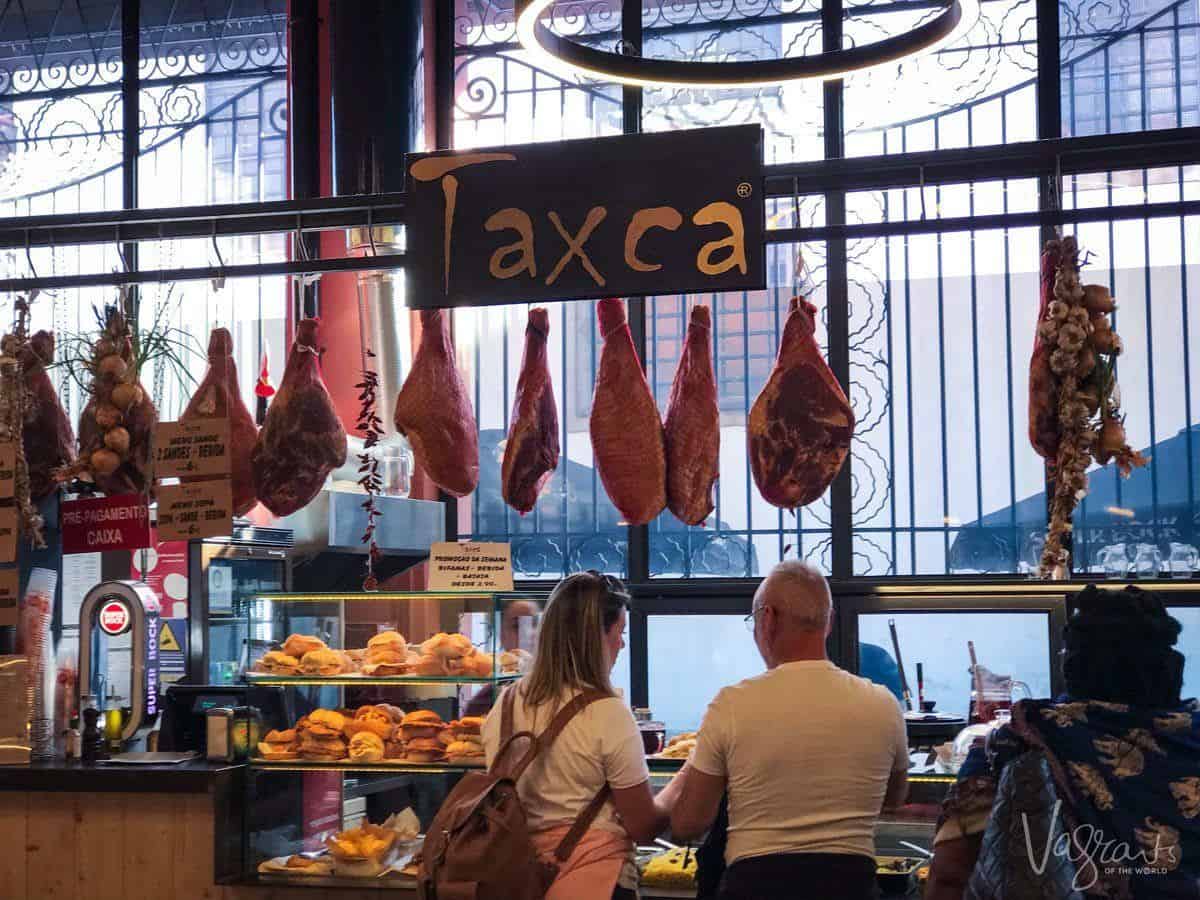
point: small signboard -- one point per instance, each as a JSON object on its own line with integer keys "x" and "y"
{"x": 470, "y": 567}
{"x": 8, "y": 470}
{"x": 172, "y": 649}
{"x": 668, "y": 213}
{"x": 197, "y": 510}
{"x": 10, "y": 590}
{"x": 8, "y": 534}
{"x": 121, "y": 522}
{"x": 199, "y": 447}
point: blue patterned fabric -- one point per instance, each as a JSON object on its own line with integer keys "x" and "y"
{"x": 1130, "y": 782}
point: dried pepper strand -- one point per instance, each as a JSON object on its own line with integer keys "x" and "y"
{"x": 370, "y": 425}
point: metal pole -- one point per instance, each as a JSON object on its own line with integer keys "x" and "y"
{"x": 837, "y": 294}
{"x": 304, "y": 127}
{"x": 130, "y": 128}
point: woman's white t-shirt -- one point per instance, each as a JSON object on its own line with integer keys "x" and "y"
{"x": 600, "y": 745}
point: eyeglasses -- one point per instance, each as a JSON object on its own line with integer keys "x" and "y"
{"x": 749, "y": 620}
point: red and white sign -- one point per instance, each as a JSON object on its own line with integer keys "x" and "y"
{"x": 166, "y": 573}
{"x": 114, "y": 617}
{"x": 108, "y": 523}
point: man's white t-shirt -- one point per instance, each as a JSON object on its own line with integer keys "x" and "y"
{"x": 806, "y": 750}
{"x": 600, "y": 745}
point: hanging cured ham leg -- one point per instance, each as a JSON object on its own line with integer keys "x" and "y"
{"x": 302, "y": 439}
{"x": 433, "y": 411}
{"x": 627, "y": 433}
{"x": 219, "y": 397}
{"x": 531, "y": 452}
{"x": 800, "y": 426}
{"x": 46, "y": 436}
{"x": 693, "y": 425}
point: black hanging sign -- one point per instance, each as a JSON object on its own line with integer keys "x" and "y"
{"x": 672, "y": 212}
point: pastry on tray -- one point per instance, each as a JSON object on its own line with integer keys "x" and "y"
{"x": 451, "y": 650}
{"x": 366, "y": 747}
{"x": 298, "y": 644}
{"x": 465, "y": 753}
{"x": 421, "y": 723}
{"x": 276, "y": 662}
{"x": 515, "y": 661}
{"x": 324, "y": 722}
{"x": 322, "y": 749}
{"x": 323, "y": 662}
{"x": 680, "y": 746}
{"x": 393, "y": 746}
{"x": 305, "y": 865}
{"x": 370, "y": 718}
{"x": 279, "y": 746}
{"x": 297, "y": 865}
{"x": 362, "y": 852}
{"x": 424, "y": 750}
{"x": 386, "y": 655}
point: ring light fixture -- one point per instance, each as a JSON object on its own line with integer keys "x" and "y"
{"x": 569, "y": 59}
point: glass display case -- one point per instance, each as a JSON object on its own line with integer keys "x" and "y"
{"x": 385, "y": 697}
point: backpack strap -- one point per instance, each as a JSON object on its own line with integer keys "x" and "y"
{"x": 572, "y": 838}
{"x": 507, "y": 736}
{"x": 545, "y": 740}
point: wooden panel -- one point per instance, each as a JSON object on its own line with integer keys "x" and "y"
{"x": 101, "y": 837}
{"x": 147, "y": 823}
{"x": 51, "y": 860}
{"x": 192, "y": 850}
{"x": 14, "y": 810}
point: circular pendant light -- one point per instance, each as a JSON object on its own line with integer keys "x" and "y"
{"x": 570, "y": 59}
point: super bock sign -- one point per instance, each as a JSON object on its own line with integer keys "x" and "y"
{"x": 675, "y": 212}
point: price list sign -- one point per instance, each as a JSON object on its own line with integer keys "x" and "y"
{"x": 197, "y": 510}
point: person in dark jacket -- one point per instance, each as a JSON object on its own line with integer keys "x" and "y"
{"x": 1096, "y": 793}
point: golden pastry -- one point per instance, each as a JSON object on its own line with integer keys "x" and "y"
{"x": 321, "y": 662}
{"x": 464, "y": 752}
{"x": 366, "y": 747}
{"x": 424, "y": 750}
{"x": 298, "y": 644}
{"x": 422, "y": 723}
{"x": 276, "y": 662}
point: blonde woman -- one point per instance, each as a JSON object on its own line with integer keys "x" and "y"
{"x": 581, "y": 635}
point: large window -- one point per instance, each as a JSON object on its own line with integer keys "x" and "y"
{"x": 212, "y": 104}
{"x": 935, "y": 326}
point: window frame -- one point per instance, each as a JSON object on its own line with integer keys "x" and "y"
{"x": 1049, "y": 163}
{"x": 1048, "y": 160}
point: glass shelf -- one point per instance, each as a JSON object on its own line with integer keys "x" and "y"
{"x": 362, "y": 596}
{"x": 344, "y": 883}
{"x": 352, "y": 680}
{"x": 347, "y": 765}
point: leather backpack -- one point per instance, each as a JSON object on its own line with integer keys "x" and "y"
{"x": 478, "y": 846}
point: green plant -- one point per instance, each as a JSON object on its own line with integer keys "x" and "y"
{"x": 156, "y": 343}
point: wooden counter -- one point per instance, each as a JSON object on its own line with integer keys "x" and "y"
{"x": 74, "y": 832}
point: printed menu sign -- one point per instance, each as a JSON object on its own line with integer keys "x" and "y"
{"x": 10, "y": 589}
{"x": 8, "y": 470}
{"x": 470, "y": 567}
{"x": 191, "y": 448}
{"x": 198, "y": 510}
{"x": 121, "y": 522}
{"x": 8, "y": 534}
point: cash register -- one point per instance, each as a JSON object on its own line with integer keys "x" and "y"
{"x": 186, "y": 706}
